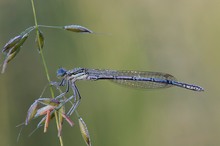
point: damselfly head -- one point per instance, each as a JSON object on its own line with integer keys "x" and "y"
{"x": 61, "y": 72}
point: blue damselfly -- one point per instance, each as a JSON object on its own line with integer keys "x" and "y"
{"x": 137, "y": 79}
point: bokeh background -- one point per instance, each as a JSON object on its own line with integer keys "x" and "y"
{"x": 177, "y": 37}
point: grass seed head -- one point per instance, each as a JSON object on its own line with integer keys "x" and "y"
{"x": 77, "y": 28}
{"x": 11, "y": 43}
{"x": 84, "y": 132}
{"x": 12, "y": 48}
{"x": 40, "y": 40}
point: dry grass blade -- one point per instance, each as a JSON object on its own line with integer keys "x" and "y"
{"x": 46, "y": 107}
{"x": 31, "y": 112}
{"x": 61, "y": 111}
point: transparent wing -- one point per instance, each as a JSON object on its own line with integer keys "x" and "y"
{"x": 137, "y": 79}
{"x": 153, "y": 80}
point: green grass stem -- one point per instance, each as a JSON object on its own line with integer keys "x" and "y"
{"x": 45, "y": 66}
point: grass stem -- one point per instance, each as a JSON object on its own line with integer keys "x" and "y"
{"x": 45, "y": 66}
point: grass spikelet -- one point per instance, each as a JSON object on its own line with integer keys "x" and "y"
{"x": 77, "y": 28}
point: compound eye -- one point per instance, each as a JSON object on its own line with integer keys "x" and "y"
{"x": 61, "y": 72}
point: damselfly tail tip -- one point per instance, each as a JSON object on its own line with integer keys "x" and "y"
{"x": 197, "y": 88}
{"x": 189, "y": 86}
{"x": 202, "y": 89}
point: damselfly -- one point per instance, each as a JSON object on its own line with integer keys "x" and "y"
{"x": 138, "y": 79}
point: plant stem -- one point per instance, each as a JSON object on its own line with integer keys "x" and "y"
{"x": 45, "y": 66}
{"x": 77, "y": 114}
{"x": 54, "y": 27}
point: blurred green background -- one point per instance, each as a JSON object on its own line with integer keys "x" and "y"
{"x": 177, "y": 37}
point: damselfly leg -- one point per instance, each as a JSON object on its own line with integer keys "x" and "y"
{"x": 76, "y": 101}
{"x": 76, "y": 95}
